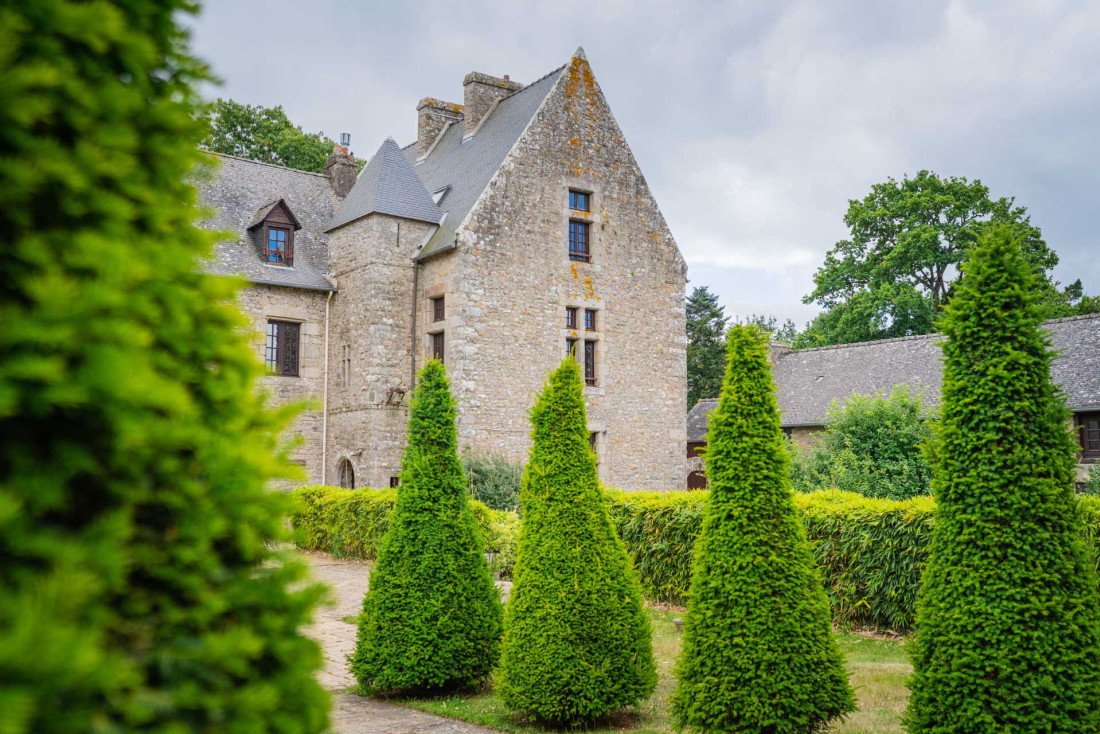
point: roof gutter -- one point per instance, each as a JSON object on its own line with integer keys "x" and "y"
{"x": 427, "y": 256}
{"x": 300, "y": 286}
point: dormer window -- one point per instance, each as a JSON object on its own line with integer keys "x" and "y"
{"x": 272, "y": 231}
{"x": 439, "y": 194}
{"x": 277, "y": 252}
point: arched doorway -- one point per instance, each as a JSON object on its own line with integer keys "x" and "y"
{"x": 347, "y": 474}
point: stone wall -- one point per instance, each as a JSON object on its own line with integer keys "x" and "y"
{"x": 263, "y": 302}
{"x": 514, "y": 280}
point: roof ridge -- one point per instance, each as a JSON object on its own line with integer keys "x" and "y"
{"x": 531, "y": 84}
{"x": 933, "y": 335}
{"x": 262, "y": 163}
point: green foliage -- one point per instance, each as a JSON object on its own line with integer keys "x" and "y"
{"x": 264, "y": 134}
{"x": 493, "y": 479}
{"x": 787, "y": 332}
{"x": 706, "y": 348}
{"x": 137, "y": 589}
{"x": 759, "y": 653}
{"x": 350, "y": 523}
{"x": 1008, "y": 619}
{"x": 873, "y": 445}
{"x": 900, "y": 267}
{"x": 432, "y": 616}
{"x": 577, "y": 644}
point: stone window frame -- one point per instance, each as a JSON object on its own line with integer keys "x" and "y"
{"x": 579, "y": 336}
{"x": 589, "y": 217}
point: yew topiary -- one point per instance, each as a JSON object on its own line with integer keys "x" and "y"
{"x": 432, "y": 616}
{"x": 759, "y": 653}
{"x": 138, "y": 589}
{"x": 1008, "y": 618}
{"x": 577, "y": 643}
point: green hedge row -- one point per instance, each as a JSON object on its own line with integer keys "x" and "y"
{"x": 871, "y": 551}
{"x": 350, "y": 523}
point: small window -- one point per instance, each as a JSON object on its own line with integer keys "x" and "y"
{"x": 579, "y": 201}
{"x": 437, "y": 346}
{"x": 281, "y": 353}
{"x": 571, "y": 348}
{"x": 345, "y": 365}
{"x": 578, "y": 242}
{"x": 593, "y": 436}
{"x": 570, "y": 318}
{"x": 395, "y": 482}
{"x": 1089, "y": 427}
{"x": 277, "y": 249}
{"x": 589, "y": 320}
{"x": 439, "y": 309}
{"x": 590, "y": 363}
{"x": 347, "y": 474}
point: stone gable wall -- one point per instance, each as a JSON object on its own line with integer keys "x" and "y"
{"x": 514, "y": 281}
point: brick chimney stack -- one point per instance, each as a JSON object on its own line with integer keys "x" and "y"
{"x": 432, "y": 115}
{"x": 480, "y": 92}
{"x": 341, "y": 169}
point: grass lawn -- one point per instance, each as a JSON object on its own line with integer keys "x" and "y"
{"x": 879, "y": 669}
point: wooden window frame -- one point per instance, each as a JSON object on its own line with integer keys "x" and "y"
{"x": 580, "y": 246}
{"x": 571, "y": 347}
{"x": 283, "y": 348}
{"x": 590, "y": 362}
{"x": 288, "y": 255}
{"x": 439, "y": 346}
{"x": 439, "y": 309}
{"x": 571, "y": 317}
{"x": 1088, "y": 455}
{"x": 576, "y": 196}
{"x": 590, "y": 319}
{"x": 346, "y": 474}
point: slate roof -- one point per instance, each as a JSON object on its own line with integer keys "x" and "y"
{"x": 466, "y": 166}
{"x": 808, "y": 380}
{"x": 239, "y": 191}
{"x": 387, "y": 185}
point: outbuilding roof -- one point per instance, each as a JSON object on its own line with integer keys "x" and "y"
{"x": 809, "y": 380}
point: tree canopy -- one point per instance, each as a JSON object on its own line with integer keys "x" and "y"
{"x": 899, "y": 268}
{"x": 264, "y": 134}
{"x": 706, "y": 348}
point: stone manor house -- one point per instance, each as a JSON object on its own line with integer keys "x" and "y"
{"x": 516, "y": 227}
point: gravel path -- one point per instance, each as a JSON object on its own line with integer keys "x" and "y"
{"x": 353, "y": 714}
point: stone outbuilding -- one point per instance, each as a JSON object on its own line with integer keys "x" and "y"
{"x": 809, "y": 380}
{"x": 517, "y": 227}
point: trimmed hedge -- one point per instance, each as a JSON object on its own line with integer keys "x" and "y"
{"x": 871, "y": 552}
{"x": 350, "y": 523}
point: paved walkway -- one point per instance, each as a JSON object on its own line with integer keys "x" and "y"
{"x": 353, "y": 714}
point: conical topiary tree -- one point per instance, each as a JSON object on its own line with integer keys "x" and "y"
{"x": 759, "y": 653}
{"x": 1008, "y": 618}
{"x": 576, "y": 642}
{"x": 432, "y": 616}
{"x": 137, "y": 589}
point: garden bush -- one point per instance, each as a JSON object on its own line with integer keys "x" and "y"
{"x": 493, "y": 479}
{"x": 432, "y": 616}
{"x": 758, "y": 652}
{"x": 350, "y": 523}
{"x": 872, "y": 446}
{"x": 576, "y": 642}
{"x": 138, "y": 589}
{"x": 1008, "y": 617}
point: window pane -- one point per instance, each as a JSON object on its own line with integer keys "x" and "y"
{"x": 437, "y": 346}
{"x": 570, "y": 318}
{"x": 276, "y": 245}
{"x": 590, "y": 362}
{"x": 578, "y": 241}
{"x": 288, "y": 350}
{"x": 571, "y": 347}
{"x": 439, "y": 310}
{"x": 578, "y": 200}
{"x": 589, "y": 320}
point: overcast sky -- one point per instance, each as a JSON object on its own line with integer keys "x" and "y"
{"x": 753, "y": 122}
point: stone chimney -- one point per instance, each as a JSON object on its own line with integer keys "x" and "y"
{"x": 341, "y": 170}
{"x": 432, "y": 115}
{"x": 480, "y": 92}
{"x": 776, "y": 351}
